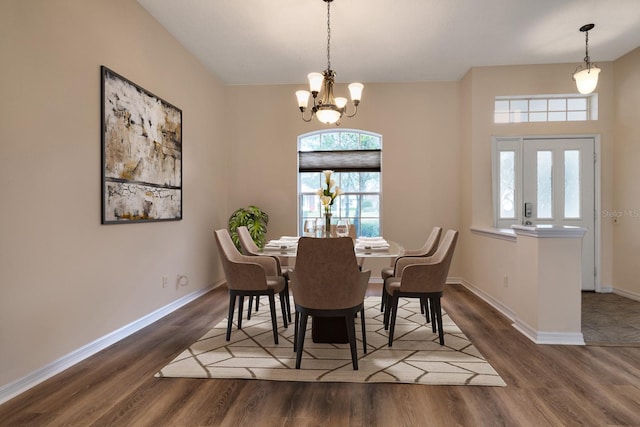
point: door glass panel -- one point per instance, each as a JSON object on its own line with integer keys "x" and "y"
{"x": 572, "y": 184}
{"x": 507, "y": 184}
{"x": 545, "y": 185}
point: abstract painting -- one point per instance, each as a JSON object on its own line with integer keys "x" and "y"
{"x": 141, "y": 154}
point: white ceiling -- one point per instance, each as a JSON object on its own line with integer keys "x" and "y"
{"x": 280, "y": 42}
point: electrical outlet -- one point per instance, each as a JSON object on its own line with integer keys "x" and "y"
{"x": 165, "y": 280}
{"x": 181, "y": 280}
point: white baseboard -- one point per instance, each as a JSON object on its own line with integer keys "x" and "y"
{"x": 553, "y": 338}
{"x": 537, "y": 337}
{"x": 627, "y": 294}
{"x": 23, "y": 384}
{"x": 506, "y": 311}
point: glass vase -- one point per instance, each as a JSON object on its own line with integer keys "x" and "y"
{"x": 327, "y": 224}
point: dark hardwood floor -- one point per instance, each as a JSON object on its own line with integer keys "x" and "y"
{"x": 547, "y": 385}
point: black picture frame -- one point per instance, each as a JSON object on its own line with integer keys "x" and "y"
{"x": 141, "y": 137}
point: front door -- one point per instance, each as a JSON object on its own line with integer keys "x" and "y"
{"x": 559, "y": 189}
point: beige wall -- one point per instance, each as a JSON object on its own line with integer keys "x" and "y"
{"x": 420, "y": 126}
{"x": 626, "y": 175}
{"x": 481, "y": 85}
{"x": 66, "y": 280}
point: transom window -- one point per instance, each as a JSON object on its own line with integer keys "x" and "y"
{"x": 545, "y": 108}
{"x": 355, "y": 158}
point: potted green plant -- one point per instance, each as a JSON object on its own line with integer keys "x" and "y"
{"x": 255, "y": 219}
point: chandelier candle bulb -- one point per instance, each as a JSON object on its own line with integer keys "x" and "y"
{"x": 355, "y": 90}
{"x": 327, "y": 109}
{"x": 315, "y": 82}
{"x": 303, "y": 98}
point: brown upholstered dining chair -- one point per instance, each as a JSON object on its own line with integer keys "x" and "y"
{"x": 352, "y": 234}
{"x": 249, "y": 276}
{"x": 326, "y": 282}
{"x": 420, "y": 277}
{"x": 250, "y": 248}
{"x": 428, "y": 249}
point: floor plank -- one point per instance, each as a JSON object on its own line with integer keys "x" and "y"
{"x": 547, "y": 385}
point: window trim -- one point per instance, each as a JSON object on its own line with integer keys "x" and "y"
{"x": 591, "y": 107}
{"x": 371, "y": 163}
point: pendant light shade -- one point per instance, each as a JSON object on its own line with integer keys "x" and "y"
{"x": 587, "y": 80}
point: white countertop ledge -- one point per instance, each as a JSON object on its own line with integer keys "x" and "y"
{"x": 495, "y": 233}
{"x": 549, "y": 231}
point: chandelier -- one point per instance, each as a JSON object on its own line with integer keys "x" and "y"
{"x": 328, "y": 109}
{"x": 586, "y": 77}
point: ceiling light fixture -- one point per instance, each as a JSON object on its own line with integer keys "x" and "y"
{"x": 327, "y": 109}
{"x": 586, "y": 77}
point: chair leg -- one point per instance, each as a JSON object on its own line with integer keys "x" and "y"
{"x": 240, "y": 304}
{"x": 382, "y": 300}
{"x": 351, "y": 333}
{"x": 274, "y": 324}
{"x": 424, "y": 307}
{"x": 393, "y": 303}
{"x": 295, "y": 331}
{"x": 288, "y": 300}
{"x": 438, "y": 308}
{"x": 283, "y": 306}
{"x": 257, "y": 302}
{"x": 301, "y": 332}
{"x": 433, "y": 316}
{"x": 250, "y": 306}
{"x": 364, "y": 331}
{"x": 386, "y": 311}
{"x": 232, "y": 306}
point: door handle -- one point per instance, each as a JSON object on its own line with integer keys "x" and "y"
{"x": 528, "y": 210}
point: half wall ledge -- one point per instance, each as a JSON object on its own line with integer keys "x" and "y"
{"x": 549, "y": 276}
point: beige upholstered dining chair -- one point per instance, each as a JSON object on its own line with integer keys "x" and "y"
{"x": 428, "y": 249}
{"x": 250, "y": 248}
{"x": 352, "y": 234}
{"x": 420, "y": 277}
{"x": 326, "y": 282}
{"x": 249, "y": 276}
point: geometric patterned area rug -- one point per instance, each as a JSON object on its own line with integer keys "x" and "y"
{"x": 415, "y": 358}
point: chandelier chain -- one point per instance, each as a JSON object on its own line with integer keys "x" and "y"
{"x": 586, "y": 49}
{"x": 329, "y": 35}
{"x": 326, "y": 107}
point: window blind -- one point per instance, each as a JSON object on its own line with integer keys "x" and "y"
{"x": 339, "y": 161}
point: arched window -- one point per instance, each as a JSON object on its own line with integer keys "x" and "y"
{"x": 355, "y": 157}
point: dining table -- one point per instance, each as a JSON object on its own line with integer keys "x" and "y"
{"x": 366, "y": 247}
{"x": 333, "y": 329}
